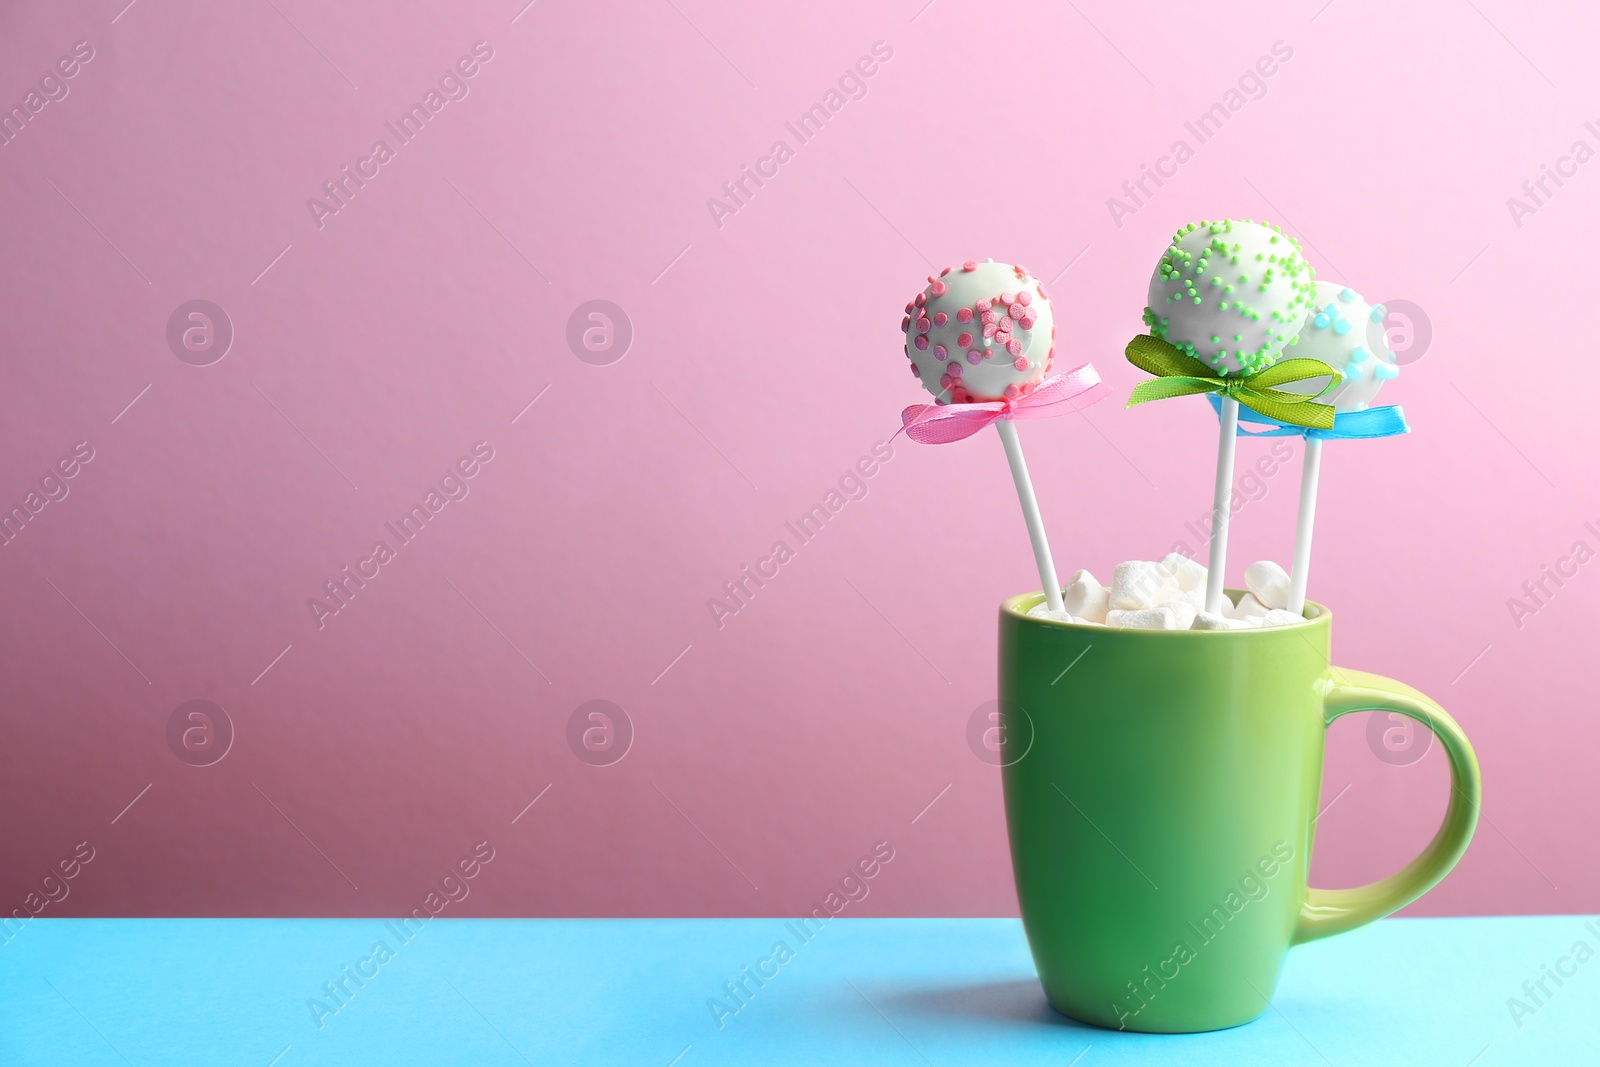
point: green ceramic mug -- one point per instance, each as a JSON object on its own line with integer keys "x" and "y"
{"x": 1161, "y": 797}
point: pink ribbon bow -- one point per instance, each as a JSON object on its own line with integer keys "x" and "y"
{"x": 1060, "y": 394}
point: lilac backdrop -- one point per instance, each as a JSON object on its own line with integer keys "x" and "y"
{"x": 376, "y": 345}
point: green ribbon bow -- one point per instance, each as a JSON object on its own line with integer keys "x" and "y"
{"x": 1181, "y": 375}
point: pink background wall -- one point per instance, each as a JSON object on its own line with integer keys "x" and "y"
{"x": 372, "y": 352}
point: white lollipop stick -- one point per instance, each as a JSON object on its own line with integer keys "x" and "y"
{"x": 1302, "y": 533}
{"x": 1030, "y": 513}
{"x": 1221, "y": 505}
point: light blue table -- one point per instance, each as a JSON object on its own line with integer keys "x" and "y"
{"x": 891, "y": 991}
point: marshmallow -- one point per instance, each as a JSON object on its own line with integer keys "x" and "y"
{"x": 1191, "y": 574}
{"x": 1205, "y": 620}
{"x": 1086, "y": 598}
{"x": 1248, "y": 608}
{"x": 1162, "y": 618}
{"x": 1170, "y": 595}
{"x": 1280, "y": 617}
{"x": 1269, "y": 583}
{"x": 1140, "y": 584}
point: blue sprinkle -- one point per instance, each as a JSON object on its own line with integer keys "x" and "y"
{"x": 1320, "y": 322}
{"x": 1384, "y": 371}
{"x": 1342, "y": 327}
{"x": 1359, "y": 355}
{"x": 1379, "y": 313}
{"x": 1353, "y": 372}
{"x": 1348, "y": 296}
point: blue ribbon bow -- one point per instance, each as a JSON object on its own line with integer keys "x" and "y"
{"x": 1347, "y": 425}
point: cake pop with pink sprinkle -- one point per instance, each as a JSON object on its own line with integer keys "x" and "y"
{"x": 981, "y": 338}
{"x": 981, "y": 331}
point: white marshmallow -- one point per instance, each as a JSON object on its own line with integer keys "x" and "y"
{"x": 1268, "y": 582}
{"x": 1170, "y": 595}
{"x": 1280, "y": 617}
{"x": 1140, "y": 584}
{"x": 1086, "y": 598}
{"x": 1205, "y": 620}
{"x": 1162, "y": 618}
{"x": 1191, "y": 574}
{"x": 1247, "y": 608}
{"x": 1042, "y": 610}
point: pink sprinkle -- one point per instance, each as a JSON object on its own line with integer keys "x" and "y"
{"x": 923, "y": 325}
{"x": 1042, "y": 293}
{"x": 1014, "y": 347}
{"x": 921, "y": 341}
{"x": 969, "y": 265}
{"x": 944, "y": 272}
{"x": 940, "y": 319}
{"x": 1028, "y": 320}
{"x": 939, "y": 353}
{"x": 915, "y": 373}
{"x": 1020, "y": 363}
{"x": 1024, "y": 298}
{"x": 990, "y": 318}
{"x": 1007, "y": 298}
{"x": 965, "y": 340}
{"x": 955, "y": 370}
{"x": 909, "y": 307}
{"x": 974, "y": 357}
{"x": 990, "y": 330}
{"x": 988, "y": 353}
{"x": 937, "y": 288}
{"x": 1017, "y": 311}
{"x": 905, "y": 324}
{"x": 984, "y": 305}
{"x": 1012, "y": 392}
{"x": 964, "y": 315}
{"x": 959, "y": 395}
{"x": 922, "y": 298}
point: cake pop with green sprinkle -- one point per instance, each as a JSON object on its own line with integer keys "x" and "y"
{"x": 1231, "y": 294}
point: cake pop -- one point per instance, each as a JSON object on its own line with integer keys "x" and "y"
{"x": 1347, "y": 333}
{"x": 981, "y": 339}
{"x": 982, "y": 331}
{"x": 1231, "y": 294}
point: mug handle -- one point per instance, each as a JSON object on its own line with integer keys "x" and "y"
{"x": 1333, "y": 911}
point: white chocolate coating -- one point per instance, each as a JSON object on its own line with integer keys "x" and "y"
{"x": 980, "y": 331}
{"x": 1231, "y": 294}
{"x": 1347, "y": 333}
